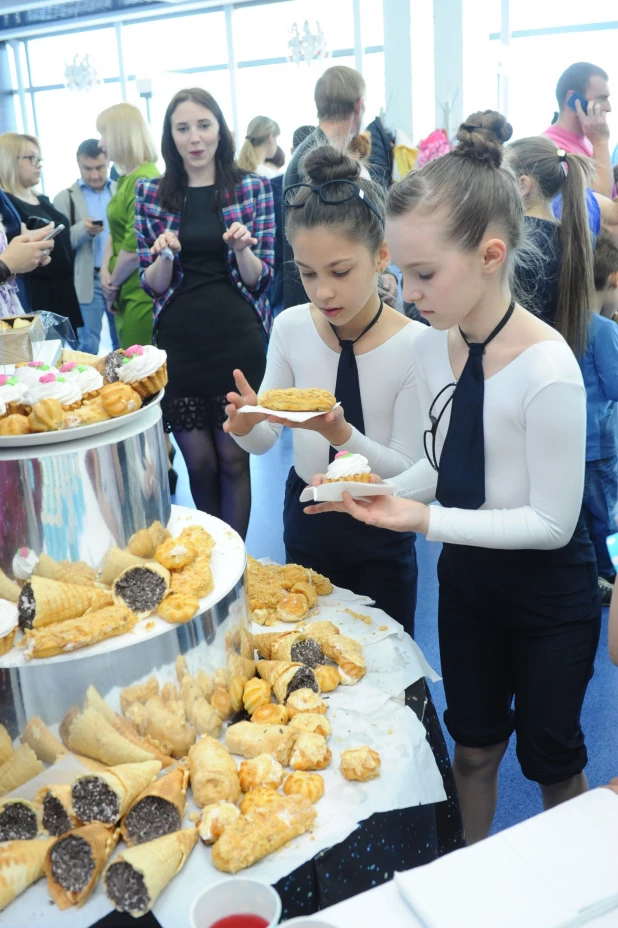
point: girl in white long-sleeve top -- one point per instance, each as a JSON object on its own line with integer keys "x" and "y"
{"x": 505, "y": 417}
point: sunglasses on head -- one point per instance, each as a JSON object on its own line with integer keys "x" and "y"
{"x": 331, "y": 192}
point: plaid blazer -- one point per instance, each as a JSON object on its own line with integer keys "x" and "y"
{"x": 253, "y": 208}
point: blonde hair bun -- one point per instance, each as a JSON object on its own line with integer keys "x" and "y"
{"x": 482, "y": 136}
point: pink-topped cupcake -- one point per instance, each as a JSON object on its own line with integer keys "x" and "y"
{"x": 145, "y": 369}
{"x": 50, "y": 386}
{"x": 29, "y": 373}
{"x": 87, "y": 378}
{"x": 13, "y": 396}
{"x": 348, "y": 467}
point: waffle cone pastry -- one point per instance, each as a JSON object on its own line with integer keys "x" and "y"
{"x": 8, "y": 589}
{"x": 158, "y": 810}
{"x": 295, "y": 399}
{"x": 252, "y": 837}
{"x": 355, "y": 478}
{"x": 77, "y": 572}
{"x": 142, "y": 588}
{"x": 45, "y": 745}
{"x": 124, "y": 727}
{"x": 137, "y": 876}
{"x": 6, "y": 745}
{"x": 43, "y": 602}
{"x": 318, "y": 631}
{"x": 347, "y": 654}
{"x": 89, "y": 629}
{"x": 106, "y": 796}
{"x": 57, "y": 805}
{"x": 174, "y": 735}
{"x": 249, "y": 740}
{"x": 298, "y": 648}
{"x": 7, "y": 642}
{"x": 213, "y": 773}
{"x": 15, "y": 424}
{"x": 20, "y": 820}
{"x": 239, "y": 666}
{"x": 90, "y": 734}
{"x": 115, "y": 561}
{"x": 75, "y": 861}
{"x": 22, "y": 863}
{"x": 265, "y": 642}
{"x": 286, "y": 676}
{"x": 20, "y": 767}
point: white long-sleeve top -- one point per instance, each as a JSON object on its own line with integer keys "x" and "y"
{"x": 535, "y": 444}
{"x": 298, "y": 357}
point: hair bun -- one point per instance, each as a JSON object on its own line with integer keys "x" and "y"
{"x": 328, "y": 163}
{"x": 482, "y": 135}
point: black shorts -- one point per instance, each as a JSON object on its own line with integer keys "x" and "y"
{"x": 518, "y": 630}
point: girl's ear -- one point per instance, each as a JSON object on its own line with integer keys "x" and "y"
{"x": 384, "y": 258}
{"x": 493, "y": 253}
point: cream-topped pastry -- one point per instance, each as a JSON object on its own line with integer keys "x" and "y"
{"x": 8, "y": 625}
{"x": 24, "y": 563}
{"x": 141, "y": 361}
{"x": 50, "y": 386}
{"x": 2, "y": 408}
{"x": 87, "y": 378}
{"x": 12, "y": 393}
{"x": 348, "y": 466}
{"x": 31, "y": 372}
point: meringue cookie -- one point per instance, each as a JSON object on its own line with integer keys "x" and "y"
{"x": 24, "y": 563}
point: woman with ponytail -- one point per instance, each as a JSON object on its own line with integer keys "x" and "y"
{"x": 260, "y": 143}
{"x": 504, "y": 410}
{"x": 558, "y": 281}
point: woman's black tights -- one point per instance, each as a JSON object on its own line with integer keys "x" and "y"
{"x": 219, "y": 475}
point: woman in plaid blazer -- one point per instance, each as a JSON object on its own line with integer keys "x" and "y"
{"x": 205, "y": 233}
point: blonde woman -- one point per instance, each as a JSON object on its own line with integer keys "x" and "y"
{"x": 51, "y": 284}
{"x": 126, "y": 139}
{"x": 260, "y": 143}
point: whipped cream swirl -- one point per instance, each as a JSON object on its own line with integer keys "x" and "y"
{"x": 138, "y": 365}
{"x": 8, "y": 617}
{"x": 347, "y": 465}
{"x": 24, "y": 563}
{"x": 86, "y": 377}
{"x": 51, "y": 387}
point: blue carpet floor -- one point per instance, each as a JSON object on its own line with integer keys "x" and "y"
{"x": 519, "y": 799}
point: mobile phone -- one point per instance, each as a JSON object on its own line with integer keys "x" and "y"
{"x": 582, "y": 100}
{"x": 54, "y": 232}
{"x": 36, "y": 222}
{"x": 97, "y": 222}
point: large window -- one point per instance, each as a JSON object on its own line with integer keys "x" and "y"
{"x": 49, "y": 57}
{"x": 262, "y": 32}
{"x": 153, "y": 47}
{"x": 552, "y": 14}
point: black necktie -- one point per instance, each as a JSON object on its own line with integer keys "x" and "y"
{"x": 347, "y": 388}
{"x": 461, "y": 475}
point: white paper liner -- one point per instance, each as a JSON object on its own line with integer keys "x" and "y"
{"x": 333, "y": 492}
{"x": 281, "y": 414}
{"x": 227, "y": 564}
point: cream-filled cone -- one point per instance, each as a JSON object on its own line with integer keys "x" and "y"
{"x": 21, "y": 766}
{"x": 272, "y": 670}
{"x": 44, "y": 601}
{"x": 126, "y": 781}
{"x": 156, "y": 573}
{"x": 28, "y": 827}
{"x": 21, "y": 864}
{"x": 61, "y": 793}
{"x": 124, "y": 727}
{"x": 156, "y": 862}
{"x": 102, "y": 842}
{"x": 6, "y": 745}
{"x": 77, "y": 572}
{"x": 264, "y": 643}
{"x": 91, "y": 734}
{"x": 45, "y": 745}
{"x": 8, "y": 589}
{"x": 172, "y": 788}
{"x": 115, "y": 561}
{"x": 239, "y": 666}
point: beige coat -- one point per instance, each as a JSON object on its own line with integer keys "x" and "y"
{"x": 80, "y": 240}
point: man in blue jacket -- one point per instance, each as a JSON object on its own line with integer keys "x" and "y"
{"x": 599, "y": 366}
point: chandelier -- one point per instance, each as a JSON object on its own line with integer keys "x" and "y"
{"x": 307, "y": 46}
{"x": 81, "y": 74}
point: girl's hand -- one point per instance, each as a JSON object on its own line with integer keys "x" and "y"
{"x": 166, "y": 240}
{"x": 398, "y": 515}
{"x": 332, "y": 425}
{"x": 241, "y": 423}
{"x": 238, "y": 237}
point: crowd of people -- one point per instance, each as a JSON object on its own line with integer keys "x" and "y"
{"x": 464, "y": 317}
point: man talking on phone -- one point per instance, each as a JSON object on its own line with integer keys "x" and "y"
{"x": 580, "y": 127}
{"x": 85, "y": 203}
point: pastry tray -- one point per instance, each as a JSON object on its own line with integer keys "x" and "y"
{"x": 82, "y": 431}
{"x": 333, "y": 492}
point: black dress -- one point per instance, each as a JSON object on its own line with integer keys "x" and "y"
{"x": 536, "y": 285}
{"x": 208, "y": 328}
{"x": 52, "y": 286}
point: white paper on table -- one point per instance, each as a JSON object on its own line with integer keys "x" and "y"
{"x": 286, "y": 414}
{"x": 409, "y": 776}
{"x": 538, "y": 874}
{"x": 34, "y": 907}
{"x": 333, "y": 492}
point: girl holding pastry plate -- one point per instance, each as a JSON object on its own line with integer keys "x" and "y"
{"x": 504, "y": 409}
{"x": 348, "y": 343}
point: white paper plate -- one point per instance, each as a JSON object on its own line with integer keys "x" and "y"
{"x": 82, "y": 431}
{"x": 333, "y": 492}
{"x": 290, "y": 416}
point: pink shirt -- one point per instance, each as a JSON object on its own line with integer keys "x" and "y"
{"x": 573, "y": 142}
